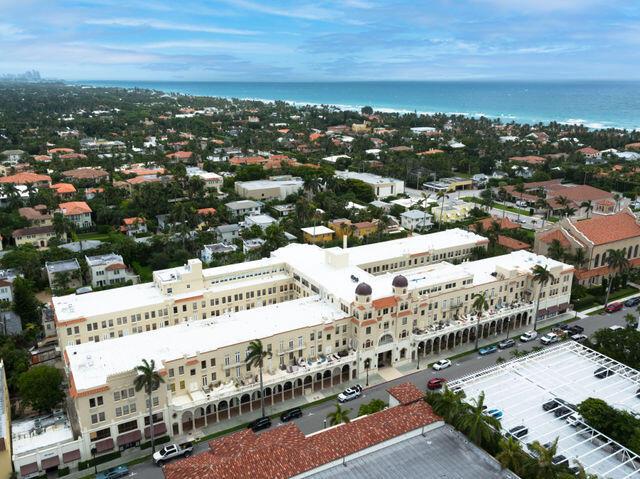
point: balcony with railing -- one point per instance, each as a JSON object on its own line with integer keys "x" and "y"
{"x": 234, "y": 387}
{"x": 471, "y": 320}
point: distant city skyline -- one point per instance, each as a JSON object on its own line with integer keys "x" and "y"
{"x": 303, "y": 40}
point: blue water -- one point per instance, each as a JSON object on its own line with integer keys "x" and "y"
{"x": 596, "y": 104}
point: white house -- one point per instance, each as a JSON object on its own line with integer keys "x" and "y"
{"x": 209, "y": 250}
{"x": 416, "y": 220}
{"x": 239, "y": 209}
{"x": 212, "y": 181}
{"x": 108, "y": 269}
{"x": 382, "y": 187}
{"x": 228, "y": 233}
{"x": 263, "y": 221}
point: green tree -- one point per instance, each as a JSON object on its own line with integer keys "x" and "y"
{"x": 339, "y": 415}
{"x": 25, "y": 303}
{"x": 373, "y": 406}
{"x": 618, "y": 263}
{"x": 511, "y": 456}
{"x": 588, "y": 206}
{"x": 41, "y": 388}
{"x": 149, "y": 380}
{"x": 556, "y": 250}
{"x": 479, "y": 305}
{"x": 542, "y": 276}
{"x": 542, "y": 466}
{"x": 255, "y": 358}
{"x": 481, "y": 428}
{"x": 447, "y": 404}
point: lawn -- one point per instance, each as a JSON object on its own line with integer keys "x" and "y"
{"x": 93, "y": 236}
{"x": 498, "y": 206}
{"x": 145, "y": 272}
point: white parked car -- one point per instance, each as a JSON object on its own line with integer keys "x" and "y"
{"x": 442, "y": 364}
{"x": 549, "y": 338}
{"x": 574, "y": 419}
{"x": 529, "y": 336}
{"x": 350, "y": 394}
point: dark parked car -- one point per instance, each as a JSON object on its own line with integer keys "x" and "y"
{"x": 294, "y": 413}
{"x": 632, "y": 302}
{"x": 554, "y": 403}
{"x": 603, "y": 372}
{"x": 560, "y": 460}
{"x": 507, "y": 343}
{"x": 518, "y": 432}
{"x": 259, "y": 424}
{"x": 576, "y": 329}
{"x": 638, "y": 393}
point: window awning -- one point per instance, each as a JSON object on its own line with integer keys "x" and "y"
{"x": 28, "y": 469}
{"x": 129, "y": 437}
{"x": 158, "y": 428}
{"x": 71, "y": 456}
{"x": 50, "y": 462}
{"x": 104, "y": 445}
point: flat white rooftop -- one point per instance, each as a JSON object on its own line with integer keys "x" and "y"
{"x": 33, "y": 433}
{"x": 521, "y": 386}
{"x": 91, "y": 363}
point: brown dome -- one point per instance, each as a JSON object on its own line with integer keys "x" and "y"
{"x": 400, "y": 282}
{"x": 363, "y": 289}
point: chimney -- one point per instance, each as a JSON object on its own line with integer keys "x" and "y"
{"x": 344, "y": 242}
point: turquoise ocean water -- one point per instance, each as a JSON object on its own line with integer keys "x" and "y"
{"x": 596, "y": 104}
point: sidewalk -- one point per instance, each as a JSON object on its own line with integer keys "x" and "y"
{"x": 375, "y": 379}
{"x": 585, "y": 313}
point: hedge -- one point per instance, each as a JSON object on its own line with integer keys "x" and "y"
{"x": 98, "y": 460}
{"x": 63, "y": 472}
{"x": 160, "y": 440}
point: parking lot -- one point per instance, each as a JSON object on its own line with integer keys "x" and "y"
{"x": 520, "y": 387}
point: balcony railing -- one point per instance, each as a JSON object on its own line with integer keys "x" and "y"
{"x": 204, "y": 396}
{"x": 470, "y": 320}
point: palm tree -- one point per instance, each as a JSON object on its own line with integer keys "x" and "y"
{"x": 543, "y": 466}
{"x": 617, "y": 263}
{"x": 519, "y": 188}
{"x": 257, "y": 355}
{"x": 588, "y": 207}
{"x": 448, "y": 405}
{"x": 542, "y": 204}
{"x": 511, "y": 455}
{"x": 338, "y": 416}
{"x": 542, "y": 276}
{"x": 442, "y": 195}
{"x": 478, "y": 426}
{"x": 556, "y": 250}
{"x": 479, "y": 304}
{"x": 630, "y": 320}
{"x": 149, "y": 380}
{"x": 568, "y": 211}
{"x": 579, "y": 258}
{"x": 617, "y": 197}
{"x": 494, "y": 231}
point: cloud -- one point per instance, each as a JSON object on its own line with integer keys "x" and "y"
{"x": 163, "y": 25}
{"x": 302, "y": 11}
{"x": 9, "y": 32}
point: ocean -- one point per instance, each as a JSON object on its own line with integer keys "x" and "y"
{"x": 595, "y": 104}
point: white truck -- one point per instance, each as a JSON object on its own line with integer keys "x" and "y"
{"x": 172, "y": 451}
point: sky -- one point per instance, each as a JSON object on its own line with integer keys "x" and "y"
{"x": 315, "y": 40}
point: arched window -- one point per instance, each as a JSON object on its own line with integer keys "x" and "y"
{"x": 595, "y": 261}
{"x": 635, "y": 252}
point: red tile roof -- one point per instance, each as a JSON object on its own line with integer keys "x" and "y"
{"x": 406, "y": 393}
{"x": 180, "y": 155}
{"x": 555, "y": 235}
{"x": 115, "y": 266}
{"x": 284, "y": 452}
{"x": 384, "y": 302}
{"x": 74, "y": 208}
{"x": 25, "y": 178}
{"x": 607, "y": 229}
{"x": 588, "y": 151}
{"x": 505, "y": 223}
{"x": 57, "y": 151}
{"x": 531, "y": 159}
{"x": 64, "y": 188}
{"x": 133, "y": 220}
{"x": 85, "y": 174}
{"x": 206, "y": 211}
{"x": 511, "y": 243}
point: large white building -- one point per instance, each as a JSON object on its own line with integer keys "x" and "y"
{"x": 327, "y": 315}
{"x": 273, "y": 188}
{"x": 382, "y": 187}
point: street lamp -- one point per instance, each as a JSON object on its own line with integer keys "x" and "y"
{"x": 418, "y": 354}
{"x": 366, "y": 368}
{"x": 94, "y": 451}
{"x": 508, "y": 326}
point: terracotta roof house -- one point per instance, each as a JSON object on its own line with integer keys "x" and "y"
{"x": 27, "y": 178}
{"x": 505, "y": 223}
{"x": 530, "y": 159}
{"x": 285, "y": 451}
{"x": 36, "y": 216}
{"x": 595, "y": 236}
{"x": 180, "y": 155}
{"x": 64, "y": 190}
{"x": 78, "y": 212}
{"x": 87, "y": 175}
{"x": 589, "y": 152}
{"x": 512, "y": 244}
{"x": 73, "y": 156}
{"x": 632, "y": 146}
{"x": 60, "y": 151}
{"x": 133, "y": 226}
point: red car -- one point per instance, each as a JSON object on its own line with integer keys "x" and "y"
{"x": 613, "y": 307}
{"x": 435, "y": 383}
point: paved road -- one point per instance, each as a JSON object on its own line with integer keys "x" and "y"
{"x": 313, "y": 419}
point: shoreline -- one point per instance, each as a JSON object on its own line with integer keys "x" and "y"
{"x": 504, "y": 118}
